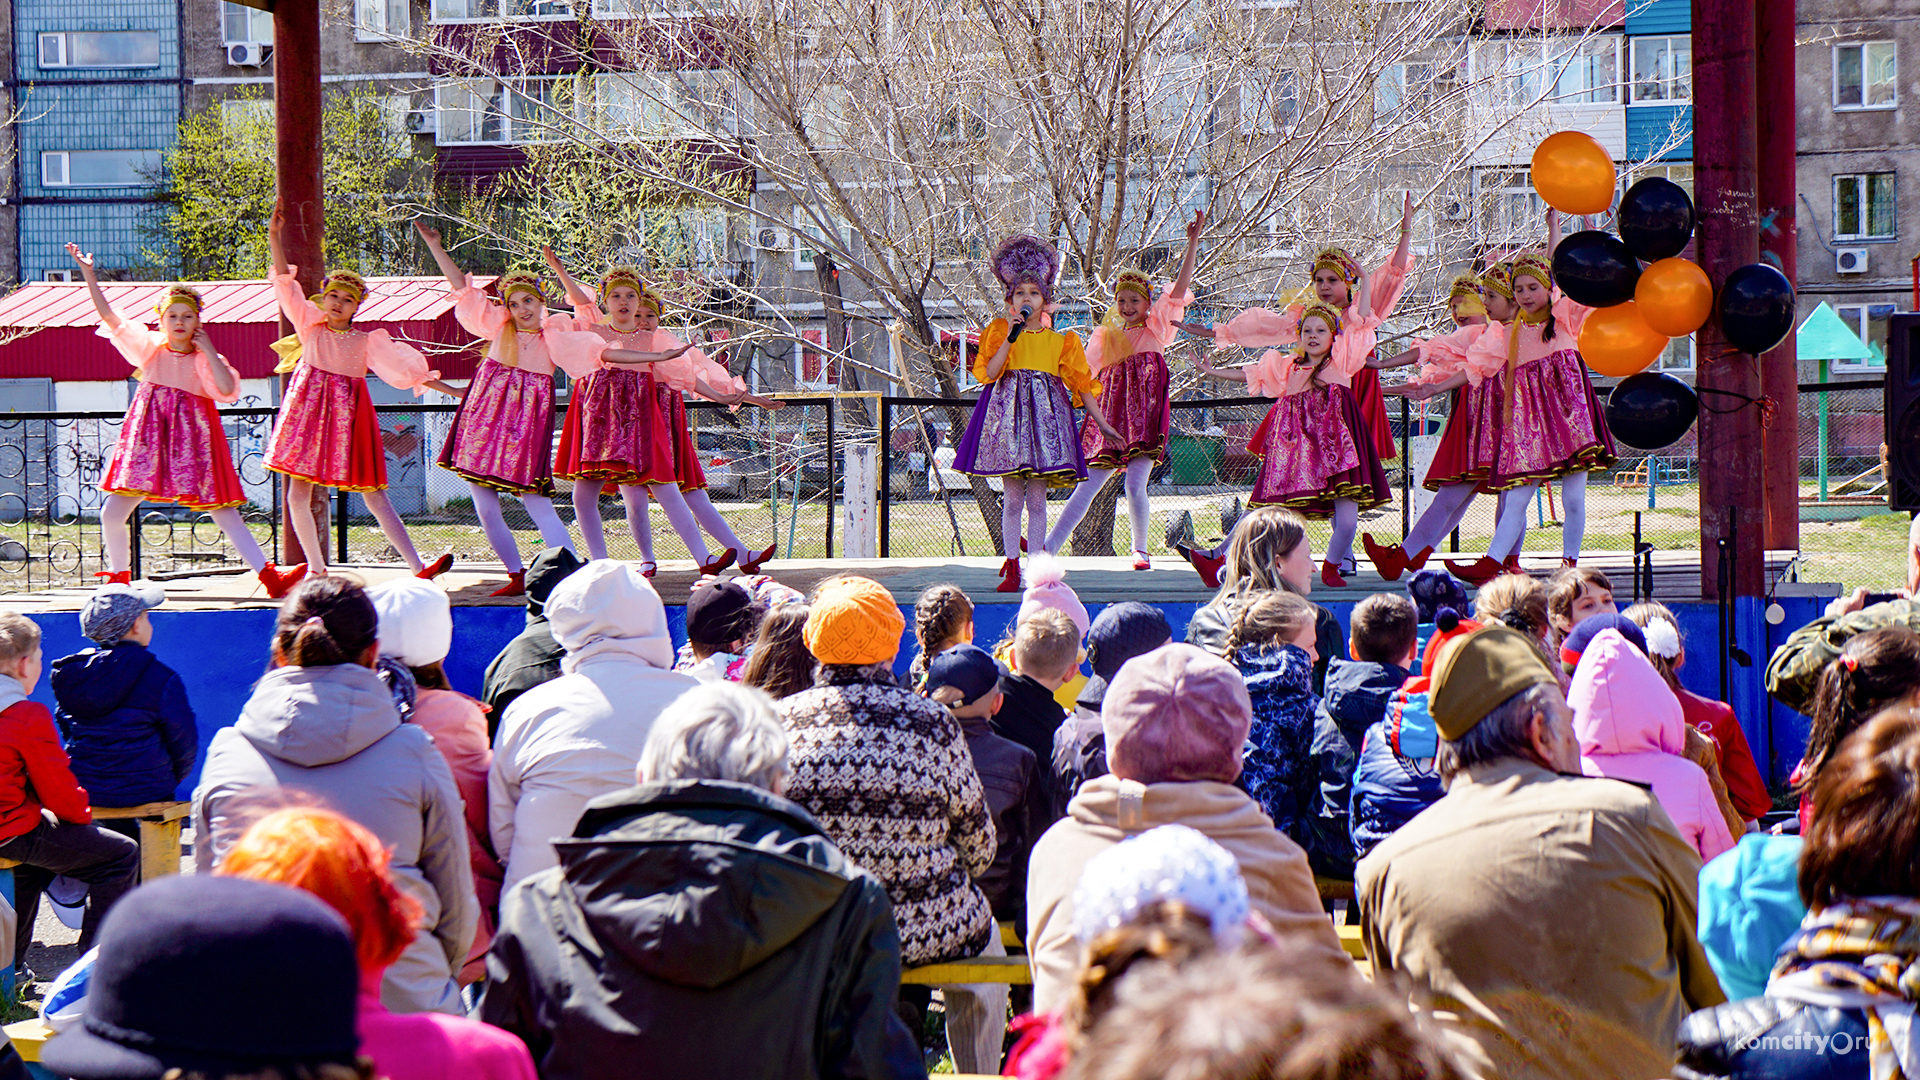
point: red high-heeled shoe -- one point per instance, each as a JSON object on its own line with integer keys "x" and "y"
{"x": 1009, "y": 576}
{"x": 278, "y": 582}
{"x": 1330, "y": 576}
{"x": 1389, "y": 559}
{"x": 115, "y": 577}
{"x": 516, "y": 585}
{"x": 1208, "y": 566}
{"x": 1478, "y": 572}
{"x": 752, "y": 565}
{"x": 435, "y": 568}
{"x": 718, "y": 563}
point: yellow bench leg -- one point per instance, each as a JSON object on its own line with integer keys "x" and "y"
{"x": 159, "y": 849}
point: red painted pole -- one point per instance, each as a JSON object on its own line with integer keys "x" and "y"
{"x": 296, "y": 120}
{"x": 1779, "y": 369}
{"x": 1732, "y": 491}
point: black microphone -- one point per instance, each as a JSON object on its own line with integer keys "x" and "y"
{"x": 1026, "y": 313}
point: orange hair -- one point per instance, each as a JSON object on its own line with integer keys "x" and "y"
{"x": 338, "y": 861}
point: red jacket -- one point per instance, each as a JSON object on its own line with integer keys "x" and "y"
{"x": 1737, "y": 767}
{"x": 34, "y": 772}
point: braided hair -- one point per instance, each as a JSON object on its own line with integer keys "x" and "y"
{"x": 939, "y": 616}
{"x": 1273, "y": 619}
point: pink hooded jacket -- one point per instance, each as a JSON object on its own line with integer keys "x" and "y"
{"x": 1631, "y": 728}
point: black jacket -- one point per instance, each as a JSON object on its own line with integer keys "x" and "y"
{"x": 1079, "y": 746}
{"x": 700, "y": 928}
{"x": 128, "y": 727}
{"x": 1016, "y": 793}
{"x": 1357, "y": 694}
{"x": 1767, "y": 1038}
{"x": 1029, "y": 716}
{"x": 533, "y": 657}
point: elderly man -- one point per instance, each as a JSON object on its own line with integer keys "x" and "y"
{"x": 702, "y": 924}
{"x": 1795, "y": 668}
{"x": 564, "y": 742}
{"x": 1552, "y": 913}
{"x": 1175, "y": 720}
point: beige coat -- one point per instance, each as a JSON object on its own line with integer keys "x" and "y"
{"x": 1108, "y": 810}
{"x": 1554, "y": 915}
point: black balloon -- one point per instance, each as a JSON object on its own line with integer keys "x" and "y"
{"x": 1756, "y": 308}
{"x": 1651, "y": 410}
{"x": 1656, "y": 218}
{"x": 1595, "y": 269}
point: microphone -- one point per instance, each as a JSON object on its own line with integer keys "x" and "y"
{"x": 1026, "y": 313}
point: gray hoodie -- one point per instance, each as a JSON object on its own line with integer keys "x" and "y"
{"x": 331, "y": 734}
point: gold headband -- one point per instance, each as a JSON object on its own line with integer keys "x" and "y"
{"x": 1133, "y": 281}
{"x": 630, "y": 276}
{"x": 1498, "y": 279}
{"x": 1337, "y": 259}
{"x": 1324, "y": 311}
{"x": 1532, "y": 265}
{"x": 1466, "y": 287}
{"x": 346, "y": 281}
{"x": 178, "y": 294}
{"x": 520, "y": 281}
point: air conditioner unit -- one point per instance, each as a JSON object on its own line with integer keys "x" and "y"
{"x": 248, "y": 54}
{"x": 771, "y": 239}
{"x": 421, "y": 122}
{"x": 1850, "y": 260}
{"x": 1455, "y": 210}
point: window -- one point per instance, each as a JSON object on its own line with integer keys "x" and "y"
{"x": 99, "y": 168}
{"x": 1587, "y": 72}
{"x": 807, "y": 236}
{"x": 378, "y": 20}
{"x": 486, "y": 111}
{"x": 965, "y": 122}
{"x": 1678, "y": 355}
{"x": 117, "y": 49}
{"x": 1401, "y": 86}
{"x": 1871, "y": 322}
{"x": 246, "y": 114}
{"x": 394, "y": 109}
{"x": 827, "y": 117}
{"x": 478, "y": 10}
{"x": 1272, "y": 108}
{"x": 59, "y": 275}
{"x": 1388, "y": 208}
{"x": 642, "y": 9}
{"x": 658, "y": 104}
{"x": 961, "y": 236}
{"x": 1863, "y": 206}
{"x": 1511, "y": 212}
{"x": 1662, "y": 69}
{"x": 1864, "y": 76}
{"x": 1560, "y": 71}
{"x": 245, "y": 26}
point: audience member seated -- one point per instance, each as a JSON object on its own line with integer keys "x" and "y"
{"x": 1793, "y": 673}
{"x": 1176, "y": 721}
{"x": 215, "y": 978}
{"x": 722, "y": 618}
{"x": 534, "y": 656}
{"x": 567, "y": 741}
{"x": 1873, "y": 670}
{"x": 1396, "y": 776}
{"x": 1840, "y": 1002}
{"x": 1119, "y": 633}
{"x": 888, "y": 775}
{"x": 1553, "y": 913}
{"x": 702, "y": 925}
{"x": 1749, "y": 906}
{"x": 1432, "y": 590}
{"x": 322, "y": 726}
{"x": 942, "y": 618}
{"x": 343, "y": 864}
{"x": 1267, "y": 551}
{"x": 966, "y": 679}
{"x": 1382, "y": 641}
{"x": 1519, "y": 603}
{"x": 1576, "y": 594}
{"x": 124, "y": 715}
{"x": 1738, "y": 770}
{"x": 1043, "y": 655}
{"x": 778, "y": 661}
{"x": 1047, "y": 590}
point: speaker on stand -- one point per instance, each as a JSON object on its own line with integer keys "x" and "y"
{"x": 1902, "y": 412}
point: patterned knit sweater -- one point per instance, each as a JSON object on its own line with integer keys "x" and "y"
{"x": 887, "y": 773}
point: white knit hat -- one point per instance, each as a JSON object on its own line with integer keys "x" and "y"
{"x": 416, "y": 620}
{"x": 1172, "y": 862}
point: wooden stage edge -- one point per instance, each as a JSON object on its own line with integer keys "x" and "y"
{"x": 1676, "y": 577}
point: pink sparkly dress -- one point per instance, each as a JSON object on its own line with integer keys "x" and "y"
{"x": 1259, "y": 328}
{"x": 614, "y": 429}
{"x": 328, "y": 432}
{"x": 1553, "y": 426}
{"x": 1133, "y": 387}
{"x": 502, "y": 436}
{"x": 1466, "y": 450}
{"x": 676, "y": 379}
{"x": 171, "y": 446}
{"x": 1313, "y": 445}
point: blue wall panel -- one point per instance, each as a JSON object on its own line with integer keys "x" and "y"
{"x": 31, "y": 18}
{"x": 114, "y": 232}
{"x": 1650, "y": 127}
{"x": 1659, "y": 16}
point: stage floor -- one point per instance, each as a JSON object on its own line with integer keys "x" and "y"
{"x": 1676, "y": 576}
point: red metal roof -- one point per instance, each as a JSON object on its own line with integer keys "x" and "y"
{"x": 65, "y": 303}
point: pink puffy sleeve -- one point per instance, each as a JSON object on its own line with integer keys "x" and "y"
{"x": 1259, "y": 328}
{"x": 1268, "y": 375}
{"x": 1569, "y": 315}
{"x": 481, "y": 316}
{"x": 1446, "y": 355}
{"x": 717, "y": 374}
{"x": 576, "y": 352}
{"x": 1166, "y": 311}
{"x": 299, "y": 310}
{"x": 402, "y": 367}
{"x": 1385, "y": 285}
{"x": 135, "y": 341}
{"x": 1350, "y": 351}
{"x": 1487, "y": 356}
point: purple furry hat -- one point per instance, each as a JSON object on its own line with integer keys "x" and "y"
{"x": 1026, "y": 258}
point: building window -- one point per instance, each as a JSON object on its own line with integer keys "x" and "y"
{"x": 115, "y": 49}
{"x": 1864, "y": 76}
{"x": 1871, "y": 322}
{"x": 1274, "y": 108}
{"x": 246, "y": 114}
{"x": 99, "y": 168}
{"x": 807, "y": 237}
{"x": 487, "y": 10}
{"x": 1863, "y": 206}
{"x": 1678, "y": 355}
{"x": 241, "y": 25}
{"x": 965, "y": 122}
{"x": 828, "y": 117}
{"x": 519, "y": 111}
{"x": 59, "y": 275}
{"x": 1662, "y": 69}
{"x": 1401, "y": 86}
{"x": 1558, "y": 71}
{"x": 666, "y": 104}
{"x": 379, "y": 20}
{"x": 1510, "y": 211}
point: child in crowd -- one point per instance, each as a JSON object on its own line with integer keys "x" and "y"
{"x": 1396, "y": 777}
{"x": 1577, "y": 593}
{"x": 1518, "y": 602}
{"x": 722, "y": 619}
{"x": 778, "y": 661}
{"x": 942, "y": 618}
{"x": 1119, "y": 633}
{"x": 1667, "y": 650}
{"x": 1874, "y": 670}
{"x": 1045, "y": 653}
{"x": 966, "y": 679}
{"x": 1383, "y": 640}
{"x": 1432, "y": 590}
{"x": 124, "y": 715}
{"x": 45, "y": 815}
{"x": 533, "y": 657}
{"x": 1047, "y": 588}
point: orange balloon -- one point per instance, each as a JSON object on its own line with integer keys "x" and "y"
{"x": 1573, "y": 173}
{"x": 1674, "y": 296}
{"x": 1616, "y": 341}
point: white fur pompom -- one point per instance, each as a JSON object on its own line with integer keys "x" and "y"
{"x": 1043, "y": 570}
{"x": 1663, "y": 638}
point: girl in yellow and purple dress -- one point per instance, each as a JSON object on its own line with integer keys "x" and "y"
{"x": 171, "y": 447}
{"x": 1128, "y": 355}
{"x": 327, "y": 434}
{"x": 1315, "y": 454}
{"x": 502, "y": 436}
{"x": 1023, "y": 429}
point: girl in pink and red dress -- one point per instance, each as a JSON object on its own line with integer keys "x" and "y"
{"x": 1128, "y": 356}
{"x": 1316, "y": 457}
{"x": 620, "y": 416}
{"x": 328, "y": 434}
{"x": 171, "y": 446}
{"x": 502, "y": 436}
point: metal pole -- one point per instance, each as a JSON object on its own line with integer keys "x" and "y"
{"x": 296, "y": 125}
{"x": 1406, "y": 469}
{"x": 886, "y": 485}
{"x": 1779, "y": 369}
{"x": 340, "y": 525}
{"x": 832, "y": 448}
{"x": 133, "y": 534}
{"x": 1821, "y": 449}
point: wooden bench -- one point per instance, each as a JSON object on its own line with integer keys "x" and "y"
{"x": 27, "y": 1037}
{"x": 1350, "y": 941}
{"x": 1011, "y": 970}
{"x": 159, "y": 834}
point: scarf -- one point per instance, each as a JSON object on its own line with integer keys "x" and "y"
{"x": 1861, "y": 954}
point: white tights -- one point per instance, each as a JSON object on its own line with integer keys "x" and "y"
{"x": 1138, "y": 510}
{"x": 683, "y": 513}
{"x": 117, "y": 535}
{"x": 1020, "y": 493}
{"x": 486, "y": 505}
{"x": 1510, "y": 534}
{"x": 306, "y": 525}
{"x": 1346, "y": 520}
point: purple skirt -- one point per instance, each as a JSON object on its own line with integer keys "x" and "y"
{"x": 1133, "y": 394}
{"x": 502, "y": 436}
{"x": 1023, "y": 426}
{"x": 1315, "y": 448}
{"x": 1555, "y": 427}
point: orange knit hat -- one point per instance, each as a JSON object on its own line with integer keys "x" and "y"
{"x": 853, "y": 620}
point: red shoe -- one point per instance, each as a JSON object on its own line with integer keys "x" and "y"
{"x": 1419, "y": 560}
{"x": 1512, "y": 565}
{"x": 278, "y": 582}
{"x": 1009, "y": 576}
{"x": 1478, "y": 572}
{"x": 1141, "y": 560}
{"x": 1208, "y": 566}
{"x": 1330, "y": 576}
{"x": 1390, "y": 560}
{"x": 1568, "y": 562}
{"x": 718, "y": 563}
{"x": 435, "y": 568}
{"x": 649, "y": 568}
{"x": 115, "y": 577}
{"x": 516, "y": 585}
{"x": 752, "y": 565}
